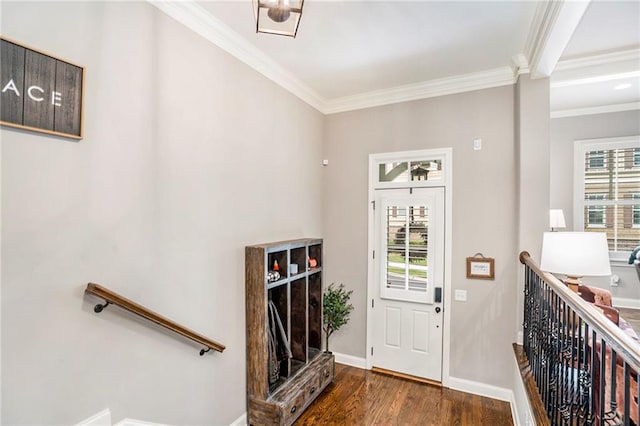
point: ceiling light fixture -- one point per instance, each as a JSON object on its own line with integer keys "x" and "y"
{"x": 279, "y": 17}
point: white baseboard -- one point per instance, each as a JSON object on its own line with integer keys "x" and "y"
{"x": 481, "y": 389}
{"x": 240, "y": 421}
{"x": 103, "y": 418}
{"x": 520, "y": 407}
{"x": 622, "y": 302}
{"x": 514, "y": 411}
{"x": 351, "y": 360}
{"x": 133, "y": 422}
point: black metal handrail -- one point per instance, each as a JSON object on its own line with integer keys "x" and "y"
{"x": 584, "y": 366}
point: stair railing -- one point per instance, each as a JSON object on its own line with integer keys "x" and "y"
{"x": 584, "y": 366}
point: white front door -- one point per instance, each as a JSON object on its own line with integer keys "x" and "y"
{"x": 409, "y": 274}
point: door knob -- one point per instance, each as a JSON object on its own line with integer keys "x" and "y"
{"x": 438, "y": 309}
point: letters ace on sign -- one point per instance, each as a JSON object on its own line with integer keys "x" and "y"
{"x": 39, "y": 92}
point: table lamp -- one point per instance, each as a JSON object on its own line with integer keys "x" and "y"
{"x": 556, "y": 219}
{"x": 575, "y": 254}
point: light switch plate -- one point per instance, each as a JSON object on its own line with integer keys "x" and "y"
{"x": 461, "y": 295}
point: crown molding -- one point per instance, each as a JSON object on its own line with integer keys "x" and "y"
{"x": 553, "y": 25}
{"x": 427, "y": 89}
{"x": 200, "y": 21}
{"x": 631, "y": 106}
{"x": 598, "y": 60}
{"x": 536, "y": 31}
{"x": 520, "y": 64}
{"x": 541, "y": 27}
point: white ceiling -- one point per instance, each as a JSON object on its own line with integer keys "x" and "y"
{"x": 609, "y": 33}
{"x": 351, "y": 54}
{"x": 345, "y": 48}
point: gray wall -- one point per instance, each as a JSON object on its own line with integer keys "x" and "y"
{"x": 184, "y": 162}
{"x": 484, "y": 215}
{"x": 564, "y": 131}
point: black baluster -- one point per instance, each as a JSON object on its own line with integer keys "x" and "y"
{"x": 627, "y": 396}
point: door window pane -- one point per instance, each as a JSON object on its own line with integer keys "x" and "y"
{"x": 393, "y": 172}
{"x": 426, "y": 170}
{"x": 407, "y": 250}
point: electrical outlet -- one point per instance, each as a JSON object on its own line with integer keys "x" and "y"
{"x": 461, "y": 295}
{"x": 615, "y": 280}
{"x": 477, "y": 144}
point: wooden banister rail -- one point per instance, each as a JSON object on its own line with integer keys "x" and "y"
{"x": 111, "y": 297}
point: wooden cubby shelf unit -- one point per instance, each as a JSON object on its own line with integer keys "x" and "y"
{"x": 297, "y": 297}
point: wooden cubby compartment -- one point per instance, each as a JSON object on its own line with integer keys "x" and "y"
{"x": 299, "y": 259}
{"x": 315, "y": 252}
{"x": 315, "y": 312}
{"x": 297, "y": 296}
{"x": 298, "y": 322}
{"x": 280, "y": 298}
{"x": 283, "y": 264}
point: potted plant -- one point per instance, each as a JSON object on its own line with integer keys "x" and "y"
{"x": 335, "y": 309}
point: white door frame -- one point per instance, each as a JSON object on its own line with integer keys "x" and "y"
{"x": 446, "y": 156}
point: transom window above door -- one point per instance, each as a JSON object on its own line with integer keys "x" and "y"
{"x": 409, "y": 170}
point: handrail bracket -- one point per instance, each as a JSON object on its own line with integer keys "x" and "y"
{"x": 98, "y": 308}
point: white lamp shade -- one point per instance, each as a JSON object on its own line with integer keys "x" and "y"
{"x": 575, "y": 254}
{"x": 556, "y": 219}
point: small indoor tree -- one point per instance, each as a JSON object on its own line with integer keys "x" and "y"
{"x": 335, "y": 309}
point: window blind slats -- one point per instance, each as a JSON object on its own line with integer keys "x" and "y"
{"x": 612, "y": 195}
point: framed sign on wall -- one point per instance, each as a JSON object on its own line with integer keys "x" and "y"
{"x": 480, "y": 267}
{"x": 40, "y": 92}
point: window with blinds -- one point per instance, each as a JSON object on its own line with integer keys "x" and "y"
{"x": 610, "y": 199}
{"x": 407, "y": 247}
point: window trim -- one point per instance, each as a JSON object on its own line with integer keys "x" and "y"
{"x": 580, "y": 148}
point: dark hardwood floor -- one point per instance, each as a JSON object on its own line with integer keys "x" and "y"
{"x": 361, "y": 397}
